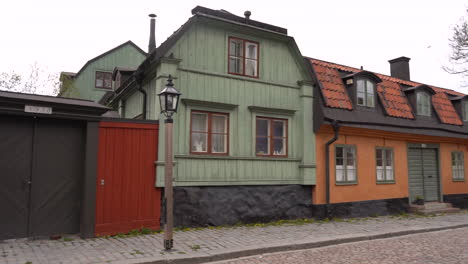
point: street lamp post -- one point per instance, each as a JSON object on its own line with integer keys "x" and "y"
{"x": 169, "y": 101}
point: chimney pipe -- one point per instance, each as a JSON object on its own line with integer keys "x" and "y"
{"x": 399, "y": 68}
{"x": 247, "y": 15}
{"x": 152, "y": 40}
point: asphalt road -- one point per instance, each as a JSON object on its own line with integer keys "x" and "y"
{"x": 441, "y": 247}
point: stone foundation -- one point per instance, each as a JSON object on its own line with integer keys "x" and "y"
{"x": 229, "y": 205}
{"x": 457, "y": 200}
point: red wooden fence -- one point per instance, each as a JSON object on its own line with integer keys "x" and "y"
{"x": 126, "y": 197}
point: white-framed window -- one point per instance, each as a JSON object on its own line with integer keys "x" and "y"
{"x": 271, "y": 137}
{"x": 243, "y": 57}
{"x": 423, "y": 104}
{"x": 384, "y": 165}
{"x": 458, "y": 168}
{"x": 365, "y": 93}
{"x": 103, "y": 80}
{"x": 465, "y": 110}
{"x": 345, "y": 164}
{"x": 209, "y": 133}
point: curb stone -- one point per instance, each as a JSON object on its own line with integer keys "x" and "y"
{"x": 297, "y": 246}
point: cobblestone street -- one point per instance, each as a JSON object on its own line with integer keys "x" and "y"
{"x": 214, "y": 244}
{"x": 440, "y": 247}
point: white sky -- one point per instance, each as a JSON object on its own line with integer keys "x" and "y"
{"x": 63, "y": 35}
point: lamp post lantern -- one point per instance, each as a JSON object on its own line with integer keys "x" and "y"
{"x": 169, "y": 101}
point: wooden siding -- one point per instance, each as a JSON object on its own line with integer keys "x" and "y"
{"x": 199, "y": 68}
{"x": 84, "y": 84}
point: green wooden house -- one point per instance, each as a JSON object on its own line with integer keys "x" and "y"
{"x": 243, "y": 141}
{"x": 94, "y": 79}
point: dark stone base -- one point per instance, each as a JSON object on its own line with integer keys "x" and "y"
{"x": 363, "y": 208}
{"x": 457, "y": 200}
{"x": 229, "y": 205}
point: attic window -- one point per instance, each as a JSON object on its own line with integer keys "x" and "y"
{"x": 243, "y": 57}
{"x": 103, "y": 80}
{"x": 365, "y": 93}
{"x": 423, "y": 102}
{"x": 465, "y": 111}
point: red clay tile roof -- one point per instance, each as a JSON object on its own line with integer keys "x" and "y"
{"x": 445, "y": 109}
{"x": 332, "y": 87}
{"x": 394, "y": 101}
{"x": 389, "y": 90}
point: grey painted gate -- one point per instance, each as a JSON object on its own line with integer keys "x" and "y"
{"x": 41, "y": 168}
{"x": 423, "y": 173}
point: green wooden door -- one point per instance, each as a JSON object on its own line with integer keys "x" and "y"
{"x": 423, "y": 174}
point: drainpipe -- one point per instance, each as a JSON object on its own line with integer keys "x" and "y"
{"x": 139, "y": 80}
{"x": 336, "y": 128}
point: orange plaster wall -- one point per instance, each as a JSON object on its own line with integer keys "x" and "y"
{"x": 367, "y": 188}
{"x": 449, "y": 186}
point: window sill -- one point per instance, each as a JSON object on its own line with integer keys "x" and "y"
{"x": 458, "y": 180}
{"x": 386, "y": 182}
{"x": 345, "y": 183}
{"x": 226, "y": 157}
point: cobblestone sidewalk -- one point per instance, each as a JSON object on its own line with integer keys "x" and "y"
{"x": 198, "y": 246}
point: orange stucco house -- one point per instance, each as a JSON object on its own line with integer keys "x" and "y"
{"x": 390, "y": 142}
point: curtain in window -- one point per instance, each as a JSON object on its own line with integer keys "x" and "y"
{"x": 219, "y": 134}
{"x": 199, "y": 132}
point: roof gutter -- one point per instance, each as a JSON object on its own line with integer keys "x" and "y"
{"x": 336, "y": 128}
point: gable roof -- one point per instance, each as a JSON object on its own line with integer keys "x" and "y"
{"x": 108, "y": 52}
{"x": 390, "y": 92}
{"x": 197, "y": 12}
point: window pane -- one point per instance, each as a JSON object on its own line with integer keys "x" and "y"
{"x": 218, "y": 124}
{"x": 465, "y": 108}
{"x": 370, "y": 100}
{"x": 361, "y": 98}
{"x": 199, "y": 122}
{"x": 339, "y": 174}
{"x": 389, "y": 174}
{"x": 99, "y": 83}
{"x": 350, "y": 156}
{"x": 199, "y": 142}
{"x": 262, "y": 127}
{"x": 378, "y": 154}
{"x": 262, "y": 146}
{"x": 339, "y": 152}
{"x": 235, "y": 48}
{"x": 380, "y": 173}
{"x": 279, "y": 146}
{"x": 339, "y": 161}
{"x": 361, "y": 86}
{"x": 107, "y": 83}
{"x": 251, "y": 51}
{"x": 278, "y": 128}
{"x": 251, "y": 67}
{"x": 370, "y": 87}
{"x": 235, "y": 65}
{"x": 350, "y": 173}
{"x": 389, "y": 158}
{"x": 218, "y": 143}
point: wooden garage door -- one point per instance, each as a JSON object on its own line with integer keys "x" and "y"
{"x": 41, "y": 167}
{"x": 127, "y": 198}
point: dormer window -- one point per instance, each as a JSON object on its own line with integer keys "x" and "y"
{"x": 465, "y": 111}
{"x": 423, "y": 103}
{"x": 365, "y": 93}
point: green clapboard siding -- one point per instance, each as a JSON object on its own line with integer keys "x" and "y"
{"x": 198, "y": 65}
{"x": 84, "y": 84}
